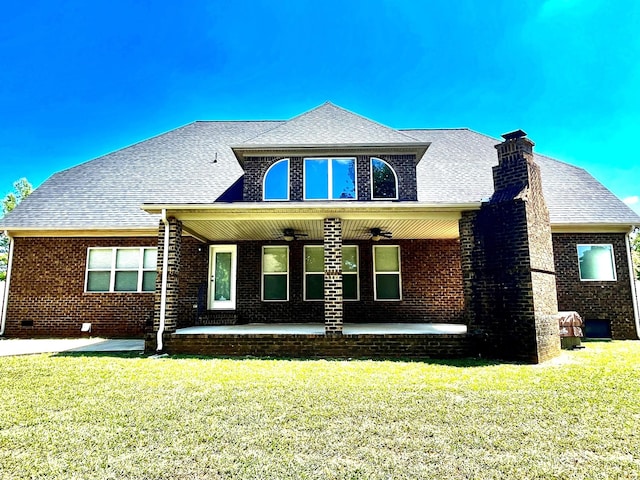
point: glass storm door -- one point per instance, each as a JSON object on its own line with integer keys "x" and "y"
{"x": 222, "y": 277}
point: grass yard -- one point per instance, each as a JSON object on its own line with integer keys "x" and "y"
{"x": 100, "y": 416}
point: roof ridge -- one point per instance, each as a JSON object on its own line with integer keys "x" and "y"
{"x": 434, "y": 128}
{"x": 236, "y": 121}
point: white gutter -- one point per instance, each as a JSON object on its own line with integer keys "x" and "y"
{"x": 165, "y": 267}
{"x": 5, "y": 298}
{"x": 634, "y": 293}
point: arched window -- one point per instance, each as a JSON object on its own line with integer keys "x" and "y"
{"x": 384, "y": 181}
{"x": 276, "y": 181}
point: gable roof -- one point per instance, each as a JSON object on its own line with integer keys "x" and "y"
{"x": 195, "y": 164}
{"x": 329, "y": 125}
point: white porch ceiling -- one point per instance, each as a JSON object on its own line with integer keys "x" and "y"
{"x": 260, "y": 221}
{"x": 227, "y": 230}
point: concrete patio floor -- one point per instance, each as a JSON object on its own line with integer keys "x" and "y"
{"x": 318, "y": 329}
{"x": 15, "y": 346}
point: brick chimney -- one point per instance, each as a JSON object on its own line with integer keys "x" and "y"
{"x": 509, "y": 273}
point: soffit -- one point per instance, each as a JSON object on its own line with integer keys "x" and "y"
{"x": 359, "y": 229}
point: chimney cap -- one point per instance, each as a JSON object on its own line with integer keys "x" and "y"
{"x": 514, "y": 135}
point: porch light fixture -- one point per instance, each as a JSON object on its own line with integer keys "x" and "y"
{"x": 377, "y": 234}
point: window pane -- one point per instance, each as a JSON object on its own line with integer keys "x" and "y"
{"x": 148, "y": 281}
{"x": 128, "y": 258}
{"x": 388, "y": 286}
{"x": 126, "y": 282}
{"x": 275, "y": 287}
{"x": 314, "y": 287}
{"x": 344, "y": 178}
{"x": 276, "y": 183}
{"x": 350, "y": 287}
{"x": 98, "y": 281}
{"x": 150, "y": 258}
{"x": 223, "y": 276}
{"x": 596, "y": 262}
{"x": 386, "y": 259}
{"x": 349, "y": 259}
{"x": 274, "y": 259}
{"x": 316, "y": 174}
{"x": 100, "y": 258}
{"x": 314, "y": 259}
{"x": 384, "y": 180}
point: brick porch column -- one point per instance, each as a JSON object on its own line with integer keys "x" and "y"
{"x": 171, "y": 306}
{"x": 332, "y": 276}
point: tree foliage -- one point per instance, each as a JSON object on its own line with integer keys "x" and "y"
{"x": 635, "y": 251}
{"x": 21, "y": 190}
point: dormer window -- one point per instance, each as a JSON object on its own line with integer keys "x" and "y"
{"x": 276, "y": 181}
{"x": 384, "y": 181}
{"x": 330, "y": 179}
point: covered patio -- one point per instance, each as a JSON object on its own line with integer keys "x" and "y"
{"x": 309, "y": 340}
{"x": 318, "y": 329}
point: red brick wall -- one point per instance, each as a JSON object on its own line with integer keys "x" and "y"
{"x": 335, "y": 346}
{"x": 431, "y": 285}
{"x": 609, "y": 301}
{"x": 47, "y": 289}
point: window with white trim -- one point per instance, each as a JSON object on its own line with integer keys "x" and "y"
{"x": 314, "y": 272}
{"x": 384, "y": 181}
{"x": 275, "y": 273}
{"x": 330, "y": 179}
{"x": 596, "y": 262}
{"x": 387, "y": 284}
{"x": 125, "y": 269}
{"x": 276, "y": 181}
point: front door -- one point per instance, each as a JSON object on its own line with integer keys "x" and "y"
{"x": 222, "y": 277}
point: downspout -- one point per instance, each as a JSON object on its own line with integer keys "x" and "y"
{"x": 163, "y": 288}
{"x": 5, "y": 298}
{"x": 634, "y": 293}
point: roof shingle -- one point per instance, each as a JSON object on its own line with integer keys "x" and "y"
{"x": 195, "y": 164}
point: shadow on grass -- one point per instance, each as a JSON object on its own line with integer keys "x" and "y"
{"x": 449, "y": 362}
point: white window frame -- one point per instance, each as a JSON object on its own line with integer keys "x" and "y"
{"x": 113, "y": 270}
{"x": 305, "y": 273}
{"x": 287, "y": 273}
{"x": 264, "y": 182}
{"x": 395, "y": 177}
{"x": 613, "y": 262}
{"x": 375, "y": 273}
{"x": 356, "y": 273}
{"x": 330, "y": 179}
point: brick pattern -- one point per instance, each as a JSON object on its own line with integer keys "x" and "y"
{"x": 333, "y": 276}
{"x": 609, "y": 301}
{"x": 431, "y": 286}
{"x": 47, "y": 296}
{"x": 507, "y": 262}
{"x": 404, "y": 166}
{"x": 332, "y": 346}
{"x": 172, "y": 305}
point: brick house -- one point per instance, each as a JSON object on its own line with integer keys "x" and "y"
{"x": 362, "y": 239}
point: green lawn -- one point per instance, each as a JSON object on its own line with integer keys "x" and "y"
{"x": 79, "y": 416}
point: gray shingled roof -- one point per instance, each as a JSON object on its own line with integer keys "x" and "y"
{"x": 196, "y": 164}
{"x": 329, "y": 125}
{"x": 191, "y": 164}
{"x": 457, "y": 168}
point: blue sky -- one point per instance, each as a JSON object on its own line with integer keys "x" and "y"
{"x": 83, "y": 78}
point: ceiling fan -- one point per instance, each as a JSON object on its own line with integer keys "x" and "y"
{"x": 289, "y": 235}
{"x": 377, "y": 234}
